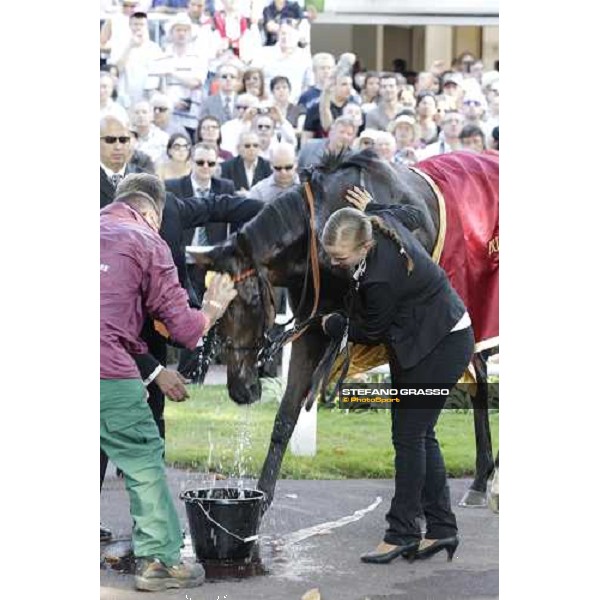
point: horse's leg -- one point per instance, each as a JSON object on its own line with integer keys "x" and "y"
{"x": 476, "y": 496}
{"x": 494, "y": 498}
{"x": 306, "y": 353}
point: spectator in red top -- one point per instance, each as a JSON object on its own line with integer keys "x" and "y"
{"x": 231, "y": 25}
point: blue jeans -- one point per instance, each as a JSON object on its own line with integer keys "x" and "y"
{"x": 421, "y": 487}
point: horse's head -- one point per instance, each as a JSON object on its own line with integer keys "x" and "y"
{"x": 336, "y": 174}
{"x": 243, "y": 326}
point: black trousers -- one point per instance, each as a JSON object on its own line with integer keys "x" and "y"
{"x": 156, "y": 399}
{"x": 421, "y": 487}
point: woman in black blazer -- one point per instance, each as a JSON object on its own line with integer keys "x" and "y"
{"x": 403, "y": 299}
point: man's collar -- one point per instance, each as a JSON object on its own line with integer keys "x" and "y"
{"x": 197, "y": 186}
{"x": 109, "y": 173}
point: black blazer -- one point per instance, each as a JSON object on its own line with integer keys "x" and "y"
{"x": 412, "y": 313}
{"x": 182, "y": 188}
{"x": 107, "y": 190}
{"x": 233, "y": 169}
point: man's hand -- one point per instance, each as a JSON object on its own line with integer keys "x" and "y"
{"x": 358, "y": 197}
{"x": 221, "y": 291}
{"x": 172, "y": 385}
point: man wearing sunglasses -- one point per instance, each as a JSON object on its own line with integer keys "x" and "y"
{"x": 223, "y": 104}
{"x": 162, "y": 113}
{"x": 284, "y": 176}
{"x": 201, "y": 184}
{"x": 115, "y": 153}
{"x": 248, "y": 168}
{"x": 473, "y": 107}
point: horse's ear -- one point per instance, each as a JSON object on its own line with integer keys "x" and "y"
{"x": 203, "y": 255}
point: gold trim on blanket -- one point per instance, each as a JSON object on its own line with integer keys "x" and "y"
{"x": 441, "y": 237}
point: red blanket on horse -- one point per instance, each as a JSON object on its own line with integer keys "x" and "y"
{"x": 469, "y": 234}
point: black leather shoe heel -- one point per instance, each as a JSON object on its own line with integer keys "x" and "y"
{"x": 381, "y": 558}
{"x": 449, "y": 544}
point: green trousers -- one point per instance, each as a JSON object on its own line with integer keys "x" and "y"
{"x": 130, "y": 438}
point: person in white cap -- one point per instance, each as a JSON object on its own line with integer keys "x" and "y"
{"x": 183, "y": 71}
{"x": 406, "y": 133}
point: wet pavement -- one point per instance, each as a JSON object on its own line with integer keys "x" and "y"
{"x": 298, "y": 554}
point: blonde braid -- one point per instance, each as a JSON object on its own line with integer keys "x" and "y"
{"x": 379, "y": 224}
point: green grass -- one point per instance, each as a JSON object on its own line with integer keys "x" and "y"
{"x": 205, "y": 433}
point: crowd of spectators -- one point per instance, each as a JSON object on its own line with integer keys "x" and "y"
{"x": 236, "y": 79}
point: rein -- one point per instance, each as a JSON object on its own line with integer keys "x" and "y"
{"x": 274, "y": 343}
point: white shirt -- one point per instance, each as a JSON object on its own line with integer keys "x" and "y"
{"x": 135, "y": 81}
{"x": 154, "y": 144}
{"x": 250, "y": 172}
{"x": 191, "y": 64}
{"x": 110, "y": 173}
{"x": 114, "y": 109}
{"x": 230, "y": 134}
{"x": 297, "y": 68}
{"x": 268, "y": 189}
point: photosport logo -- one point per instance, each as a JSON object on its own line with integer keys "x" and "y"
{"x": 383, "y": 395}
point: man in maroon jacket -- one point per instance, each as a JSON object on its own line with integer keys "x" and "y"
{"x": 138, "y": 278}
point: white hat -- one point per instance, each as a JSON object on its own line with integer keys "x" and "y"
{"x": 182, "y": 19}
{"x": 371, "y": 134}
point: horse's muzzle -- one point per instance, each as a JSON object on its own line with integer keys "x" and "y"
{"x": 241, "y": 393}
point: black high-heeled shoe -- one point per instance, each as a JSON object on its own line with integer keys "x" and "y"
{"x": 449, "y": 544}
{"x": 381, "y": 558}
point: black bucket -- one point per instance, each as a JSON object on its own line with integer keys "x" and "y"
{"x": 223, "y": 522}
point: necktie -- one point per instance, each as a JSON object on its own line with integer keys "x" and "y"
{"x": 228, "y": 107}
{"x": 116, "y": 179}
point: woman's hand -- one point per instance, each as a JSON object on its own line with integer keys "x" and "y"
{"x": 358, "y": 197}
{"x": 334, "y": 325}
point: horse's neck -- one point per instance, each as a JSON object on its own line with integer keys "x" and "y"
{"x": 413, "y": 190}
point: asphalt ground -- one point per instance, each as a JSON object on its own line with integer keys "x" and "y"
{"x": 297, "y": 560}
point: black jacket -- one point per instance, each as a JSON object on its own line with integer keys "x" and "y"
{"x": 107, "y": 190}
{"x": 412, "y": 313}
{"x": 182, "y": 188}
{"x": 233, "y": 169}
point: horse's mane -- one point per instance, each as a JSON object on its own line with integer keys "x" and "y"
{"x": 365, "y": 159}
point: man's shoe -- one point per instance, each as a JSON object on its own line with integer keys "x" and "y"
{"x": 105, "y": 534}
{"x": 385, "y": 553}
{"x": 151, "y": 575}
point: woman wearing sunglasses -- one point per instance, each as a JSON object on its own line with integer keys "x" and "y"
{"x": 178, "y": 163}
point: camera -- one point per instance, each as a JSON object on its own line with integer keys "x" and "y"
{"x": 263, "y": 110}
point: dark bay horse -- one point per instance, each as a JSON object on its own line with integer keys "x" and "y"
{"x": 273, "y": 248}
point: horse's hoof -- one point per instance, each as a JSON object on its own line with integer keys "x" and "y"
{"x": 494, "y": 502}
{"x": 474, "y": 499}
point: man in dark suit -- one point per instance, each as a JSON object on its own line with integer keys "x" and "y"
{"x": 201, "y": 183}
{"x": 248, "y": 168}
{"x": 115, "y": 150}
